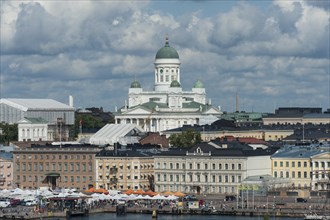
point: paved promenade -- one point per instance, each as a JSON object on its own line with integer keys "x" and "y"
{"x": 280, "y": 207}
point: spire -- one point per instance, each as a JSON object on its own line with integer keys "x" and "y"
{"x": 166, "y": 41}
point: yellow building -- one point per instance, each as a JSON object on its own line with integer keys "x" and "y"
{"x": 124, "y": 170}
{"x": 295, "y": 163}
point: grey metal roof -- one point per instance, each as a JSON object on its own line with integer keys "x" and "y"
{"x": 35, "y": 104}
{"x": 305, "y": 151}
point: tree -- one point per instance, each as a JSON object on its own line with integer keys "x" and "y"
{"x": 186, "y": 139}
{"x": 8, "y": 133}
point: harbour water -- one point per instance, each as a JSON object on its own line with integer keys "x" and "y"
{"x": 110, "y": 216}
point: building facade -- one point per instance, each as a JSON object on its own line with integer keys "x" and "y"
{"x": 123, "y": 170}
{"x": 207, "y": 169}
{"x": 305, "y": 166}
{"x": 6, "y": 172}
{"x": 54, "y": 166}
{"x": 167, "y": 106}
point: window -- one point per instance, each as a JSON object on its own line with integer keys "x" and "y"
{"x": 299, "y": 164}
{"x": 171, "y": 178}
{"x": 275, "y": 163}
{"x": 213, "y": 178}
{"x": 239, "y": 179}
{"x": 59, "y": 167}
{"x": 198, "y": 166}
{"x": 171, "y": 166}
{"x": 190, "y": 178}
{"x": 281, "y": 174}
{"x": 165, "y": 177}
{"x": 305, "y": 174}
{"x": 84, "y": 167}
{"x": 305, "y": 164}
{"x": 198, "y": 177}
{"x": 41, "y": 167}
{"x": 233, "y": 166}
{"x": 232, "y": 179}
{"x": 53, "y": 167}
{"x": 239, "y": 166}
{"x": 29, "y": 167}
{"x": 293, "y": 174}
{"x": 190, "y": 166}
{"x": 206, "y": 178}
{"x": 77, "y": 167}
{"x": 220, "y": 179}
{"x": 71, "y": 179}
{"x": 226, "y": 166}
{"x": 226, "y": 178}
{"x": 183, "y": 166}
{"x": 281, "y": 163}
{"x": 213, "y": 166}
{"x": 158, "y": 177}
{"x": 71, "y": 167}
{"x": 184, "y": 178}
{"x": 299, "y": 174}
{"x": 177, "y": 166}
{"x": 287, "y": 174}
{"x": 292, "y": 164}
{"x": 177, "y": 179}
{"x": 206, "y": 166}
{"x": 287, "y": 164}
{"x": 164, "y": 165}
{"x": 220, "y": 166}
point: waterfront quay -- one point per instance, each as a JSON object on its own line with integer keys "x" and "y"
{"x": 275, "y": 207}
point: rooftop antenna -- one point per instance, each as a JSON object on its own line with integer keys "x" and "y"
{"x": 236, "y": 101}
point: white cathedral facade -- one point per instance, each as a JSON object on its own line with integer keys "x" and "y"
{"x": 167, "y": 106}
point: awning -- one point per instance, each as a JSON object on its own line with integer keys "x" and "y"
{"x": 53, "y": 174}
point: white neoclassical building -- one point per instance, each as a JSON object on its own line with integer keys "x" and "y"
{"x": 167, "y": 106}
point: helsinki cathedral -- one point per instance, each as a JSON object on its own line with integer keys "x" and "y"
{"x": 167, "y": 106}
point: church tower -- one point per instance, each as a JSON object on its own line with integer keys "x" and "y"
{"x": 167, "y": 67}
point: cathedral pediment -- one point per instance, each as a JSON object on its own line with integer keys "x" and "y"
{"x": 138, "y": 110}
{"x": 212, "y": 110}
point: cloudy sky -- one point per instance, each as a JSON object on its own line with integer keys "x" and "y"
{"x": 272, "y": 53}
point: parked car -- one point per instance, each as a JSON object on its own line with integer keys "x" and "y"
{"x": 15, "y": 202}
{"x": 230, "y": 198}
{"x": 299, "y": 200}
{"x": 4, "y": 204}
{"x": 30, "y": 203}
{"x": 208, "y": 210}
{"x": 189, "y": 198}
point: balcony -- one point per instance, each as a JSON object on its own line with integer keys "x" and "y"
{"x": 113, "y": 180}
{"x": 2, "y": 179}
{"x": 113, "y": 170}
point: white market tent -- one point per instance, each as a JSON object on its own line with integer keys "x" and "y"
{"x": 113, "y": 133}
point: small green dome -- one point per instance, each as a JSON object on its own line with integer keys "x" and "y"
{"x": 167, "y": 52}
{"x": 135, "y": 84}
{"x": 198, "y": 84}
{"x": 175, "y": 83}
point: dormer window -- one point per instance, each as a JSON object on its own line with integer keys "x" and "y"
{"x": 199, "y": 150}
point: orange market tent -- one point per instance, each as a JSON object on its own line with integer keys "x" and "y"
{"x": 167, "y": 193}
{"x": 90, "y": 190}
{"x": 179, "y": 194}
{"x": 150, "y": 193}
{"x": 101, "y": 190}
{"x": 139, "y": 192}
{"x": 129, "y": 192}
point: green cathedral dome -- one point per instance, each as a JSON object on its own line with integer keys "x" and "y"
{"x": 175, "y": 83}
{"x": 167, "y": 52}
{"x": 198, "y": 84}
{"x": 135, "y": 84}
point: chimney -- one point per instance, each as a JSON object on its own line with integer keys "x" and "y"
{"x": 71, "y": 101}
